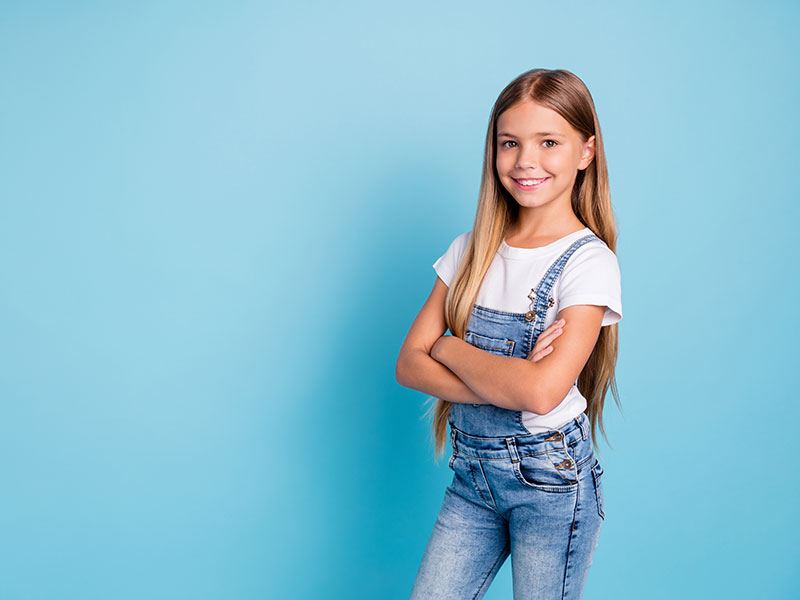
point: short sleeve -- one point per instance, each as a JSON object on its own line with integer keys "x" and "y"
{"x": 447, "y": 264}
{"x": 592, "y": 276}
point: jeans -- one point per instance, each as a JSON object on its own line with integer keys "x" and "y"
{"x": 535, "y": 497}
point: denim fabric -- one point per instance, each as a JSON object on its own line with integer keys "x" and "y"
{"x": 536, "y": 497}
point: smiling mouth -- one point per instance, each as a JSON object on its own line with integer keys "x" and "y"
{"x": 530, "y": 184}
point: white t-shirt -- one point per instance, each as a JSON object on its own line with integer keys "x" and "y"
{"x": 590, "y": 276}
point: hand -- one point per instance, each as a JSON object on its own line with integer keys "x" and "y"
{"x": 542, "y": 347}
{"x": 437, "y": 346}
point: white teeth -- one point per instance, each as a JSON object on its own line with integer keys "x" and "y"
{"x": 531, "y": 181}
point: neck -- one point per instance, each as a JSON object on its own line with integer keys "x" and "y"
{"x": 533, "y": 224}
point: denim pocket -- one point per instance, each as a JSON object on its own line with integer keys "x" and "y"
{"x": 597, "y": 472}
{"x": 501, "y": 346}
{"x": 553, "y": 471}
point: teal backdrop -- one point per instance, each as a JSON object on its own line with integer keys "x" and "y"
{"x": 217, "y": 223}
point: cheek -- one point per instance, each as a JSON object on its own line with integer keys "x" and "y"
{"x": 503, "y": 163}
{"x": 557, "y": 162}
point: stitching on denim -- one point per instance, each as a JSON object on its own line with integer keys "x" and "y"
{"x": 572, "y": 533}
{"x": 477, "y": 487}
{"x": 553, "y": 273}
{"x": 488, "y": 487}
{"x": 582, "y": 425}
{"x": 566, "y": 488}
{"x": 530, "y": 344}
{"x": 500, "y": 558}
{"x": 509, "y": 350}
{"x": 568, "y": 469}
{"x": 491, "y": 437}
{"x": 561, "y": 489}
{"x": 461, "y": 452}
{"x": 596, "y": 480}
{"x": 548, "y": 281}
{"x": 480, "y": 308}
{"x": 520, "y": 422}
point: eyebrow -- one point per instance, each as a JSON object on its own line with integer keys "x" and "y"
{"x": 540, "y": 134}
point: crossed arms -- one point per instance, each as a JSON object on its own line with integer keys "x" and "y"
{"x": 450, "y": 368}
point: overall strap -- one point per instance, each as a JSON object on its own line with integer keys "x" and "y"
{"x": 540, "y": 296}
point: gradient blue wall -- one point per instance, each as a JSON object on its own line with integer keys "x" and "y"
{"x": 217, "y": 222}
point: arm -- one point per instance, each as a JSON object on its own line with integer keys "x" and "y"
{"x": 416, "y": 369}
{"x": 520, "y": 384}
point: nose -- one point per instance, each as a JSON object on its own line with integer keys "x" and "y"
{"x": 527, "y": 159}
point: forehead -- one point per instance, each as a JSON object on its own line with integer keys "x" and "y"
{"x": 528, "y": 118}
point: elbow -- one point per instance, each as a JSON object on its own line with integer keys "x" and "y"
{"x": 539, "y": 397}
{"x": 403, "y": 370}
{"x": 537, "y": 401}
{"x": 545, "y": 388}
{"x": 399, "y": 371}
{"x": 410, "y": 368}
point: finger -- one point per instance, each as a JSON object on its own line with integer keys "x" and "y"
{"x": 551, "y": 335}
{"x": 557, "y": 325}
{"x": 546, "y": 338}
{"x": 540, "y": 354}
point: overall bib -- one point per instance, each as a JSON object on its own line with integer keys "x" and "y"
{"x": 537, "y": 497}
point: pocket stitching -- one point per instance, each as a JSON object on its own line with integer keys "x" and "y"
{"x": 573, "y": 467}
{"x": 567, "y": 487}
{"x": 475, "y": 485}
{"x": 507, "y": 345}
{"x": 597, "y": 489}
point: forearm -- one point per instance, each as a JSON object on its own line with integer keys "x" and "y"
{"x": 422, "y": 373}
{"x": 502, "y": 380}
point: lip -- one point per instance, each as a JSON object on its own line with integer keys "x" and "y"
{"x": 528, "y": 188}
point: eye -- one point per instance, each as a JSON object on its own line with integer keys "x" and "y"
{"x": 503, "y": 144}
{"x": 553, "y": 142}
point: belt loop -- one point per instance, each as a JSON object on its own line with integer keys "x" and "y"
{"x": 453, "y": 440}
{"x": 582, "y": 424}
{"x": 512, "y": 449}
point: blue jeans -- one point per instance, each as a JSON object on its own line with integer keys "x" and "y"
{"x": 537, "y": 497}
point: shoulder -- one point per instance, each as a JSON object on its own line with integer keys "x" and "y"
{"x": 447, "y": 264}
{"x": 462, "y": 239}
{"x": 592, "y": 270}
{"x": 592, "y": 276}
{"x": 594, "y": 255}
{"x": 459, "y": 243}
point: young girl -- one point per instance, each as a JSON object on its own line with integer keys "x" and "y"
{"x": 531, "y": 296}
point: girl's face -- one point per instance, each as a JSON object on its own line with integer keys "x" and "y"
{"x": 539, "y": 154}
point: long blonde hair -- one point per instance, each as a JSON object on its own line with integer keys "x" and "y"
{"x": 566, "y": 94}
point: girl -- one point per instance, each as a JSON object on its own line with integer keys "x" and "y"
{"x": 531, "y": 296}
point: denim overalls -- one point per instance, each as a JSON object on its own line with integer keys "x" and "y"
{"x": 537, "y": 497}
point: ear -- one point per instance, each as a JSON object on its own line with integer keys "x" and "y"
{"x": 588, "y": 154}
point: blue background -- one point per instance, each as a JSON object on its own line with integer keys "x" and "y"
{"x": 217, "y": 222}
